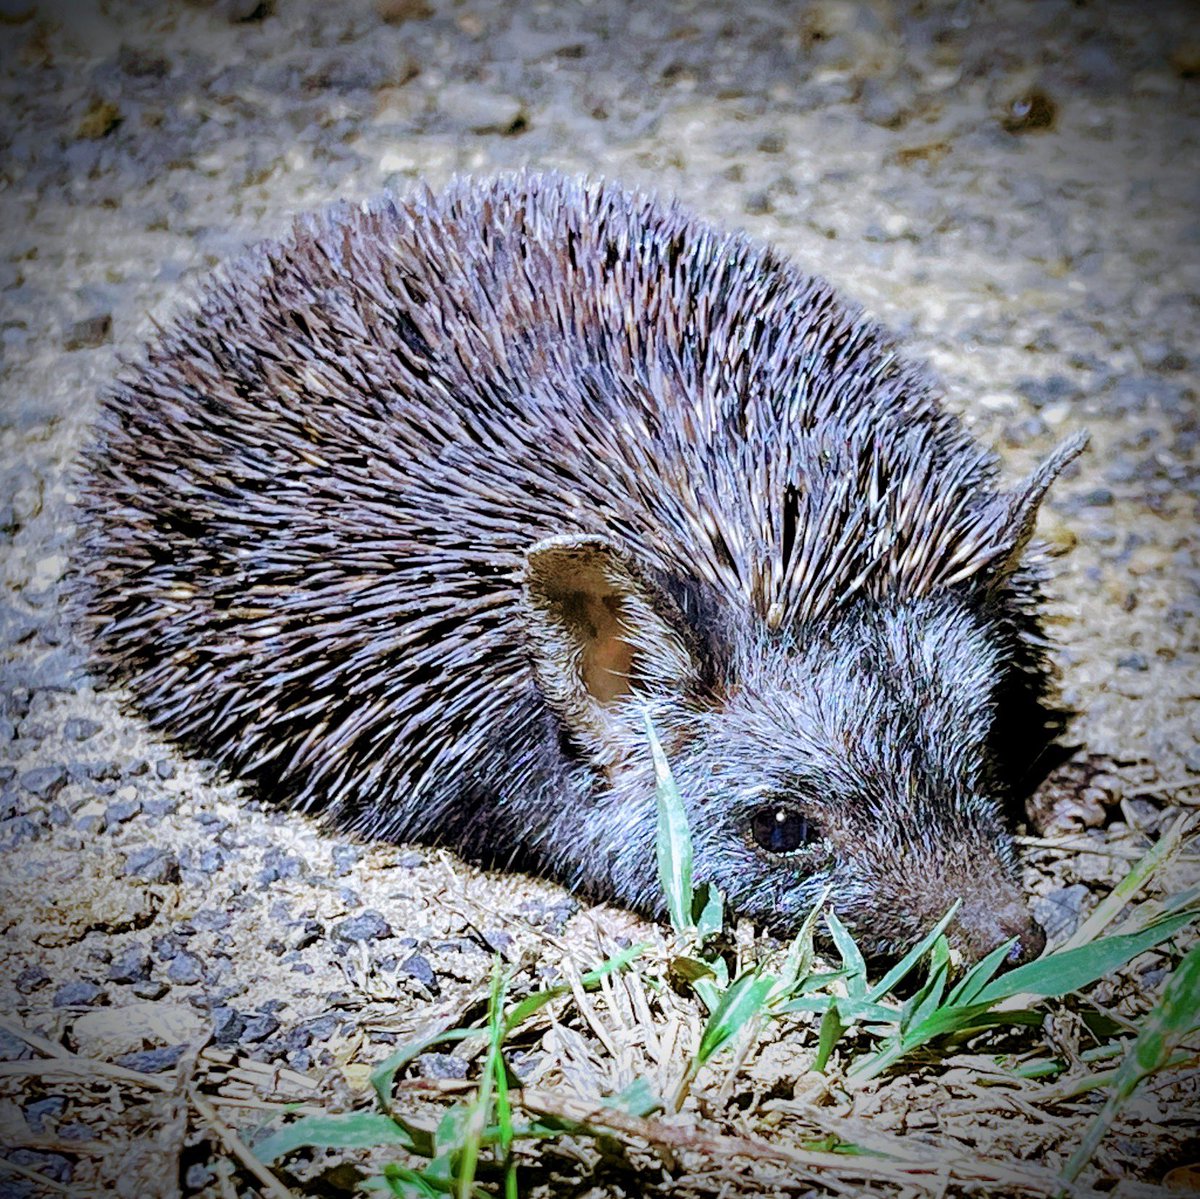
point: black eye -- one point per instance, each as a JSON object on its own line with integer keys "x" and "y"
{"x": 781, "y": 829}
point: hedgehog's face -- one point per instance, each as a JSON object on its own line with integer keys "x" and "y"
{"x": 862, "y": 760}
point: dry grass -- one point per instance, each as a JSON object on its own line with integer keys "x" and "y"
{"x": 999, "y": 1112}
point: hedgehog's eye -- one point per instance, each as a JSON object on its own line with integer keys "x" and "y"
{"x": 780, "y": 828}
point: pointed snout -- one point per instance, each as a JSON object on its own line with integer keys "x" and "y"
{"x": 979, "y": 928}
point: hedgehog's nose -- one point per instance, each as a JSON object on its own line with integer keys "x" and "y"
{"x": 978, "y": 929}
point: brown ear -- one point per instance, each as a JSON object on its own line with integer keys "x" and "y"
{"x": 599, "y": 633}
{"x": 1026, "y": 499}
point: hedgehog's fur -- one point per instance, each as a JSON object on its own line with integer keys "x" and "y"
{"x": 420, "y": 509}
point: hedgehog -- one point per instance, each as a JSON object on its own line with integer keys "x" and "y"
{"x": 417, "y": 516}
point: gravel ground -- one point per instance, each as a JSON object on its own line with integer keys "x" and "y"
{"x": 1011, "y": 187}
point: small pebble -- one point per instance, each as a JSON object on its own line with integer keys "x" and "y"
{"x": 121, "y": 810}
{"x": 441, "y": 1065}
{"x": 344, "y": 857}
{"x": 80, "y": 729}
{"x": 185, "y": 969}
{"x": 45, "y": 782}
{"x": 417, "y": 966}
{"x": 77, "y": 994}
{"x": 89, "y": 333}
{"x": 258, "y": 1028}
{"x": 31, "y": 979}
{"x": 152, "y": 1061}
{"x": 210, "y": 920}
{"x": 14, "y": 1048}
{"x": 277, "y": 865}
{"x": 152, "y": 865}
{"x": 480, "y": 110}
{"x": 367, "y": 926}
{"x": 133, "y": 965}
{"x": 40, "y": 1112}
{"x": 211, "y": 860}
{"x": 197, "y": 1177}
{"x": 54, "y": 1166}
{"x": 228, "y": 1026}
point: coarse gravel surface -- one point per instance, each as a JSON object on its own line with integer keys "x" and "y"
{"x": 1011, "y": 187}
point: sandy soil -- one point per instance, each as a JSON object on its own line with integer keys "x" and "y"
{"x": 1013, "y": 188}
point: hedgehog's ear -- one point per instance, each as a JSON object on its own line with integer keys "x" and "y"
{"x": 599, "y": 632}
{"x": 1023, "y": 502}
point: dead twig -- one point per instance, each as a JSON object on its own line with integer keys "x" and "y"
{"x": 235, "y": 1145}
{"x": 37, "y": 1176}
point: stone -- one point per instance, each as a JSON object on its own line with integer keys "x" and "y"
{"x": 367, "y": 926}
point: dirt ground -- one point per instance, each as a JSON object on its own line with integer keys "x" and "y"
{"x": 1012, "y": 187}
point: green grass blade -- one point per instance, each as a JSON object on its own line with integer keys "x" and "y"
{"x": 674, "y": 842}
{"x": 520, "y": 1012}
{"x": 797, "y": 966}
{"x": 851, "y": 955}
{"x": 348, "y": 1130}
{"x": 1185, "y": 899}
{"x": 831, "y": 1032}
{"x": 979, "y": 975}
{"x": 383, "y": 1076}
{"x": 479, "y": 1112}
{"x": 1068, "y": 970}
{"x": 808, "y": 1003}
{"x": 1048, "y": 977}
{"x": 1174, "y": 1017}
{"x": 1140, "y": 874}
{"x": 739, "y": 1002}
{"x": 709, "y": 992}
{"x": 503, "y": 1111}
{"x": 944, "y": 1021}
{"x": 411, "y": 1184}
{"x": 637, "y": 1099}
{"x": 927, "y": 1000}
{"x": 900, "y": 970}
{"x": 708, "y": 911}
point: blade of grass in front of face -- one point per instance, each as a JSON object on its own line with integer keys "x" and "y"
{"x": 674, "y": 842}
{"x": 710, "y": 918}
{"x": 831, "y": 1032}
{"x": 979, "y": 975}
{"x": 797, "y": 966}
{"x": 347, "y": 1130}
{"x": 852, "y": 958}
{"x": 741, "y": 1000}
{"x": 925, "y": 1002}
{"x": 1174, "y": 1017}
{"x": 901, "y": 969}
{"x": 1068, "y": 970}
{"x": 709, "y": 992}
{"x": 1048, "y": 977}
{"x": 942, "y": 1022}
